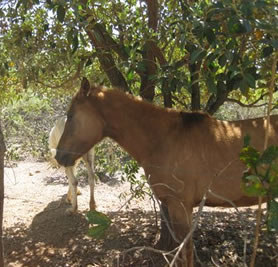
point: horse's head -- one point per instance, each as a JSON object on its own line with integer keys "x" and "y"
{"x": 84, "y": 126}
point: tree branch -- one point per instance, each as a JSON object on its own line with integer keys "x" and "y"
{"x": 195, "y": 88}
{"x": 215, "y": 102}
{"x": 105, "y": 58}
{"x": 147, "y": 84}
{"x": 108, "y": 42}
{"x": 251, "y": 104}
{"x": 152, "y": 14}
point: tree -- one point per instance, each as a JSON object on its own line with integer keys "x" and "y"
{"x": 190, "y": 54}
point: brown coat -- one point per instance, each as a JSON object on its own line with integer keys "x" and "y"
{"x": 183, "y": 154}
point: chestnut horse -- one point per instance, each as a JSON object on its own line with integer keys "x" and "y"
{"x": 183, "y": 154}
{"x": 88, "y": 158}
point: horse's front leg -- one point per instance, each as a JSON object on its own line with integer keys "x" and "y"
{"x": 72, "y": 193}
{"x": 181, "y": 220}
{"x": 89, "y": 161}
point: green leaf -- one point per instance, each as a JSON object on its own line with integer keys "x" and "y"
{"x": 50, "y": 3}
{"x": 274, "y": 43}
{"x": 141, "y": 66}
{"x": 269, "y": 155}
{"x": 267, "y": 51}
{"x": 95, "y": 217}
{"x": 89, "y": 62}
{"x": 61, "y": 12}
{"x": 233, "y": 25}
{"x": 272, "y": 220}
{"x": 81, "y": 36}
{"x": 222, "y": 60}
{"x": 130, "y": 76}
{"x": 243, "y": 86}
{"x": 247, "y": 26}
{"x": 252, "y": 186}
{"x": 210, "y": 35}
{"x": 250, "y": 156}
{"x": 97, "y": 231}
{"x": 246, "y": 140}
{"x": 75, "y": 43}
{"x": 211, "y": 85}
{"x": 250, "y": 80}
{"x": 197, "y": 55}
{"x": 46, "y": 27}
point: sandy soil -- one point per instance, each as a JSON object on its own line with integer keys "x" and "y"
{"x": 37, "y": 232}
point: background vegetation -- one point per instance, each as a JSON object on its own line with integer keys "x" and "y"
{"x": 193, "y": 55}
{"x": 214, "y": 56}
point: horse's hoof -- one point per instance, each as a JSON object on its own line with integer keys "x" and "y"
{"x": 93, "y": 206}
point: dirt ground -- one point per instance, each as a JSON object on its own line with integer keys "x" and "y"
{"x": 37, "y": 232}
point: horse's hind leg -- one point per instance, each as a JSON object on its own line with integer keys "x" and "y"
{"x": 72, "y": 193}
{"x": 89, "y": 161}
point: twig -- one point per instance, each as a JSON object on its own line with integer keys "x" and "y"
{"x": 166, "y": 221}
{"x": 259, "y": 211}
{"x": 155, "y": 210}
{"x": 194, "y": 226}
{"x": 141, "y": 249}
{"x": 233, "y": 205}
{"x": 225, "y": 199}
{"x": 14, "y": 176}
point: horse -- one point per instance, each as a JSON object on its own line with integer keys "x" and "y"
{"x": 184, "y": 155}
{"x": 88, "y": 158}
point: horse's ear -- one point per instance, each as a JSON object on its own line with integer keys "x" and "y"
{"x": 85, "y": 87}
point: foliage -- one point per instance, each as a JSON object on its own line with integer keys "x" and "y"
{"x": 109, "y": 158}
{"x": 27, "y": 121}
{"x": 195, "y": 54}
{"x": 101, "y": 222}
{"x": 261, "y": 178}
{"x": 139, "y": 187}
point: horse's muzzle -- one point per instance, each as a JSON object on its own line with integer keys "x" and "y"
{"x": 64, "y": 159}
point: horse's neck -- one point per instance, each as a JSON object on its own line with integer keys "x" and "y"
{"x": 134, "y": 125}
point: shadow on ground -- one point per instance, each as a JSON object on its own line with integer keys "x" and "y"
{"x": 57, "y": 239}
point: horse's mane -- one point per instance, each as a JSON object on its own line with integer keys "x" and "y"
{"x": 191, "y": 118}
{"x": 188, "y": 118}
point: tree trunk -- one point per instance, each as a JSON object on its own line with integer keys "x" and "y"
{"x": 195, "y": 87}
{"x": 2, "y": 152}
{"x": 167, "y": 94}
